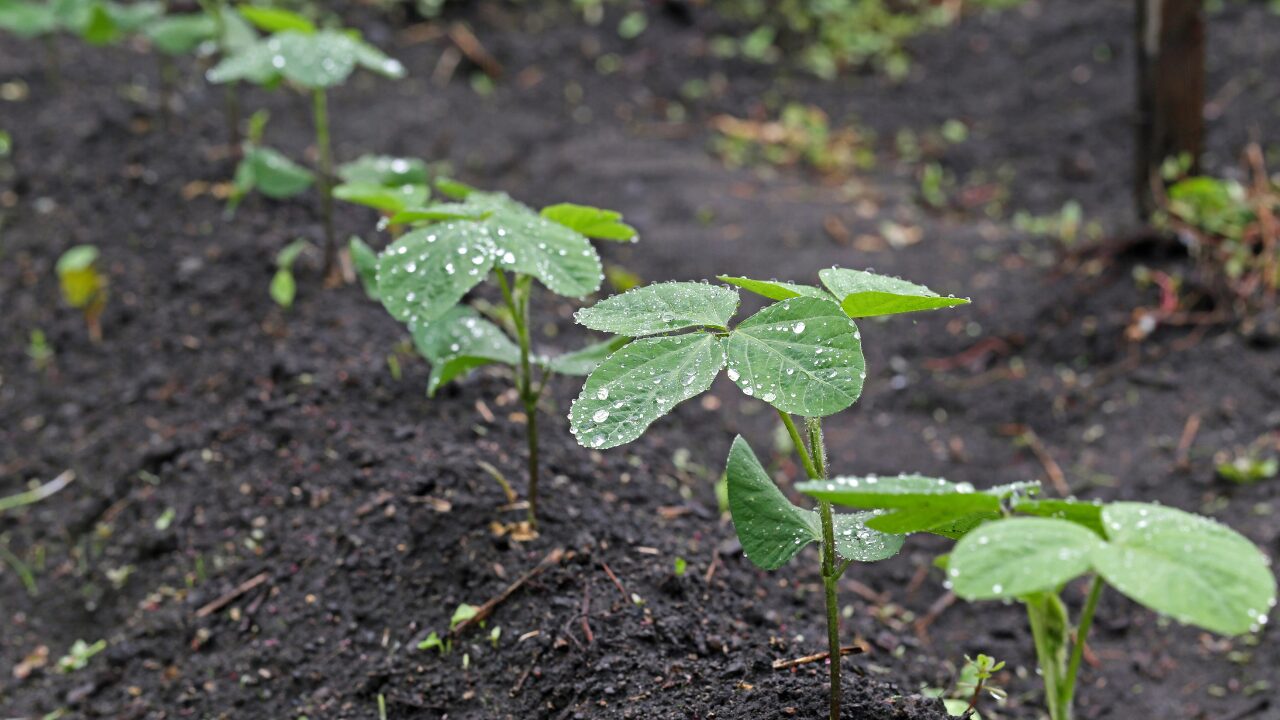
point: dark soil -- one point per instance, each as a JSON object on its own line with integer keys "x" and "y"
{"x": 279, "y": 444}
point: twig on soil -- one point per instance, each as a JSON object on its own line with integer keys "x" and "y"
{"x": 711, "y": 568}
{"x": 935, "y": 611}
{"x": 496, "y": 474}
{"x": 1189, "y": 431}
{"x": 230, "y": 596}
{"x": 816, "y": 657}
{"x": 616, "y": 582}
{"x": 484, "y": 611}
{"x": 586, "y": 613}
{"x": 470, "y": 46}
{"x": 1051, "y": 467}
{"x": 515, "y": 689}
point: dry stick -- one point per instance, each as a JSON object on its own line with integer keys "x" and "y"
{"x": 515, "y": 689}
{"x": 484, "y": 611}
{"x": 1051, "y": 467}
{"x": 616, "y": 582}
{"x": 470, "y": 46}
{"x": 1184, "y": 443}
{"x": 230, "y": 596}
{"x": 711, "y": 568}
{"x": 586, "y": 612}
{"x": 816, "y": 657}
{"x": 935, "y": 611}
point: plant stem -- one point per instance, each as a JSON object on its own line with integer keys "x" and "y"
{"x": 830, "y": 572}
{"x": 1068, "y": 689}
{"x": 1048, "y": 657}
{"x": 231, "y": 97}
{"x": 801, "y": 450}
{"x": 518, "y": 302}
{"x": 320, "y": 110}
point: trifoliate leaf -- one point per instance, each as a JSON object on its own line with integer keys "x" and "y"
{"x": 590, "y": 221}
{"x": 866, "y": 294}
{"x": 776, "y": 289}
{"x": 660, "y": 308}
{"x": 366, "y": 262}
{"x": 640, "y": 383}
{"x": 801, "y": 355}
{"x": 771, "y": 529}
{"x": 1020, "y": 556}
{"x": 382, "y": 198}
{"x": 274, "y": 20}
{"x": 581, "y": 362}
{"x": 181, "y": 34}
{"x": 426, "y": 272}
{"x": 1186, "y": 566}
{"x": 384, "y": 170}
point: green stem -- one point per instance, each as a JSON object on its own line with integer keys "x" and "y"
{"x": 320, "y": 110}
{"x": 1068, "y": 689}
{"x": 830, "y": 572}
{"x": 518, "y": 302}
{"x": 801, "y": 450}
{"x": 1048, "y": 658}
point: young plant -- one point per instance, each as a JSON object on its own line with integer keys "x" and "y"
{"x": 284, "y": 287}
{"x": 422, "y": 277}
{"x": 266, "y": 170}
{"x": 1015, "y": 547}
{"x": 802, "y": 355}
{"x": 83, "y": 286}
{"x": 390, "y": 185}
{"x": 313, "y": 60}
{"x": 97, "y": 22}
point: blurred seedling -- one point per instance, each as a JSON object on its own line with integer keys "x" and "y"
{"x": 97, "y": 22}
{"x": 975, "y": 680}
{"x": 39, "y": 350}
{"x": 313, "y": 60}
{"x": 83, "y": 286}
{"x": 78, "y": 657}
{"x": 284, "y": 287}
{"x": 1252, "y": 464}
{"x": 1013, "y": 547}
{"x": 461, "y": 614}
{"x": 802, "y": 355}
{"x": 423, "y": 276}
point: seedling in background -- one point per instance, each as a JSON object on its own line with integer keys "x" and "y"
{"x": 265, "y": 170}
{"x": 312, "y": 60}
{"x": 1014, "y": 547}
{"x": 78, "y": 657}
{"x": 96, "y": 22}
{"x": 83, "y": 286}
{"x": 389, "y": 185}
{"x": 39, "y": 350}
{"x": 284, "y": 288}
{"x": 422, "y": 277}
{"x": 802, "y": 355}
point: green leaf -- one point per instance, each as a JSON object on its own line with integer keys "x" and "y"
{"x": 905, "y": 491}
{"x": 313, "y": 61}
{"x": 275, "y": 175}
{"x": 133, "y": 16}
{"x": 283, "y": 288}
{"x": 771, "y": 529}
{"x": 453, "y": 188}
{"x": 427, "y": 271}
{"x": 944, "y": 521}
{"x": 289, "y": 254}
{"x": 275, "y": 20}
{"x": 561, "y": 259}
{"x": 1020, "y": 556}
{"x": 590, "y": 221}
{"x": 1186, "y": 566}
{"x": 100, "y": 28}
{"x": 640, "y": 383}
{"x": 366, "y": 262}
{"x": 866, "y": 294}
{"x": 237, "y": 33}
{"x": 78, "y": 276}
{"x": 461, "y": 331}
{"x": 80, "y": 257}
{"x": 660, "y": 308}
{"x": 775, "y": 289}
{"x": 181, "y": 34}
{"x": 438, "y": 213}
{"x": 1087, "y": 514}
{"x": 28, "y": 19}
{"x": 801, "y": 355}
{"x": 384, "y": 170}
{"x": 583, "y": 361}
{"x": 856, "y": 540}
{"x": 380, "y": 197}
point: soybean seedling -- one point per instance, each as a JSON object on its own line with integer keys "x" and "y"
{"x": 215, "y": 27}
{"x": 422, "y": 277}
{"x": 313, "y": 60}
{"x": 284, "y": 287}
{"x": 97, "y": 22}
{"x": 83, "y": 286}
{"x": 1014, "y": 547}
{"x": 802, "y": 355}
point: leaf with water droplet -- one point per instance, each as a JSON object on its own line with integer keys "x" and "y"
{"x": 459, "y": 341}
{"x": 1186, "y": 566}
{"x": 312, "y": 60}
{"x": 856, "y": 540}
{"x": 274, "y": 20}
{"x": 1020, "y": 556}
{"x": 385, "y": 170}
{"x": 272, "y": 174}
{"x": 1087, "y": 514}
{"x": 866, "y": 294}
{"x": 583, "y": 361}
{"x": 382, "y": 198}
{"x": 590, "y": 221}
{"x": 771, "y": 529}
{"x": 427, "y": 271}
{"x": 800, "y": 355}
{"x": 366, "y": 262}
{"x": 560, "y": 258}
{"x": 775, "y": 289}
{"x": 662, "y": 307}
{"x": 179, "y": 34}
{"x": 640, "y": 383}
